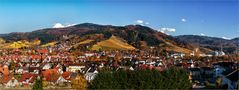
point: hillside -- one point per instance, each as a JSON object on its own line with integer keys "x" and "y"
{"x": 212, "y": 43}
{"x": 113, "y": 43}
{"x": 235, "y": 41}
{"x": 20, "y": 44}
{"x": 84, "y": 34}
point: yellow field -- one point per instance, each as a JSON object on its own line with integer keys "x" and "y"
{"x": 177, "y": 48}
{"x": 85, "y": 42}
{"x": 21, "y": 44}
{"x": 49, "y": 44}
{"x": 113, "y": 43}
{"x": 2, "y": 40}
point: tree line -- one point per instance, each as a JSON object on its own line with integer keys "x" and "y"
{"x": 173, "y": 78}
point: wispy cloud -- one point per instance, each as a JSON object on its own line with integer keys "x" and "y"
{"x": 141, "y": 22}
{"x": 59, "y": 25}
{"x": 167, "y": 30}
{"x": 202, "y": 34}
{"x": 226, "y": 38}
{"x": 147, "y": 23}
{"x": 183, "y": 20}
{"x": 70, "y": 25}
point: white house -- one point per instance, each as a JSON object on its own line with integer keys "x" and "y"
{"x": 47, "y": 66}
{"x": 61, "y": 80}
{"x": 231, "y": 80}
{"x": 12, "y": 83}
{"x": 90, "y": 76}
{"x": 89, "y": 54}
{"x": 75, "y": 68}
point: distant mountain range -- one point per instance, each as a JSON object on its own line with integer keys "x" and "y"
{"x": 212, "y": 43}
{"x": 140, "y": 37}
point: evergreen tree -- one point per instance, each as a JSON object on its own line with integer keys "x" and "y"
{"x": 173, "y": 78}
{"x": 38, "y": 84}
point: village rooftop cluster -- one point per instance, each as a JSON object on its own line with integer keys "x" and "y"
{"x": 19, "y": 68}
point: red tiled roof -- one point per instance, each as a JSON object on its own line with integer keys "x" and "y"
{"x": 143, "y": 66}
{"x": 36, "y": 57}
{"x": 66, "y": 75}
{"x": 26, "y": 76}
{"x": 73, "y": 64}
{"x": 4, "y": 71}
{"x": 42, "y": 51}
{"x": 50, "y": 74}
{"x": 5, "y": 79}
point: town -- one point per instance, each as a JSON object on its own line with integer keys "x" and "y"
{"x": 119, "y": 44}
{"x": 60, "y": 68}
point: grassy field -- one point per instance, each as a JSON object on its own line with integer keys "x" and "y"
{"x": 177, "y": 48}
{"x": 85, "y": 42}
{"x": 113, "y": 43}
{"x": 49, "y": 44}
{"x": 21, "y": 44}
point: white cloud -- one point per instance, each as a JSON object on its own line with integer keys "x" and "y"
{"x": 183, "y": 20}
{"x": 59, "y": 25}
{"x": 147, "y": 23}
{"x": 226, "y": 38}
{"x": 70, "y": 25}
{"x": 202, "y": 34}
{"x": 167, "y": 30}
{"x": 141, "y": 22}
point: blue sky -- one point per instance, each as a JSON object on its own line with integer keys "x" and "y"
{"x": 218, "y": 18}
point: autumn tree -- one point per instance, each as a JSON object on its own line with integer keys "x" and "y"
{"x": 79, "y": 83}
{"x": 12, "y": 65}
